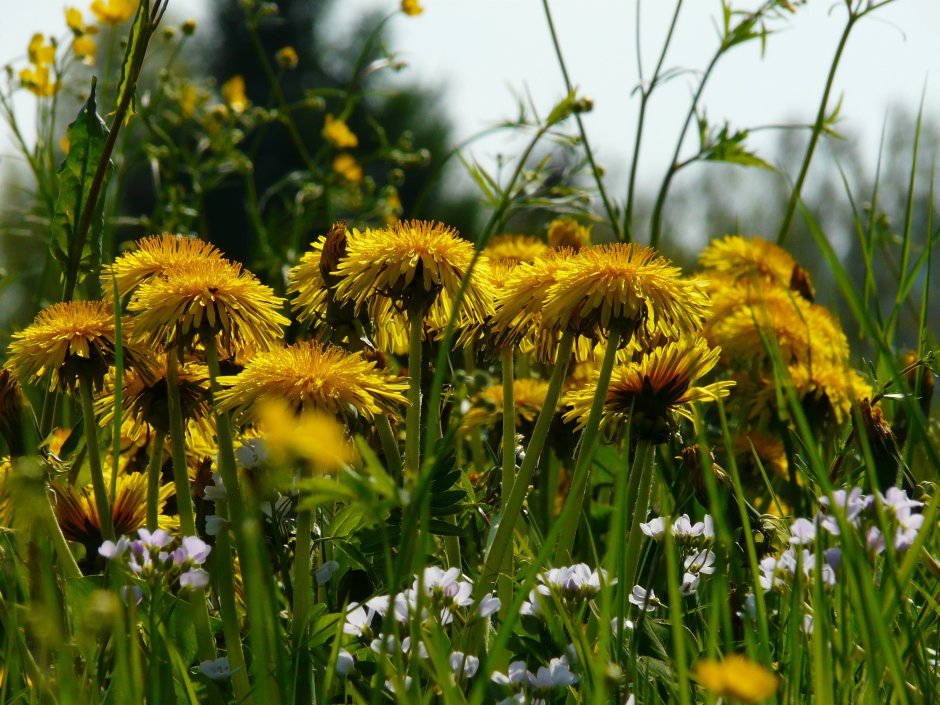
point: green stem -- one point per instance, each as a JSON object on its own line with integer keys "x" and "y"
{"x": 571, "y": 512}
{"x": 184, "y": 493}
{"x": 817, "y": 131}
{"x": 676, "y": 611}
{"x": 94, "y": 461}
{"x": 502, "y": 541}
{"x": 389, "y": 446}
{"x": 303, "y": 584}
{"x": 225, "y": 588}
{"x": 504, "y": 582}
{"x": 153, "y": 479}
{"x": 70, "y": 567}
{"x": 643, "y": 471}
{"x": 413, "y": 417}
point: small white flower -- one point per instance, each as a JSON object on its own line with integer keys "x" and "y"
{"x": 216, "y": 491}
{"x": 489, "y": 605}
{"x": 393, "y": 686}
{"x": 217, "y": 670}
{"x": 644, "y": 600}
{"x": 690, "y": 583}
{"x": 251, "y": 453}
{"x": 464, "y": 665}
{"x": 700, "y": 562}
{"x": 325, "y": 572}
{"x": 654, "y": 528}
{"x": 802, "y": 532}
{"x": 344, "y": 662}
{"x": 215, "y": 524}
{"x": 556, "y": 675}
{"x": 194, "y": 579}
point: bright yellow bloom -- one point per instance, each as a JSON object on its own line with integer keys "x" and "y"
{"x": 308, "y": 376}
{"x": 739, "y": 257}
{"x": 39, "y": 81}
{"x": 346, "y": 166}
{"x": 74, "y": 20}
{"x": 338, "y": 134}
{"x": 6, "y": 502}
{"x": 213, "y": 300}
{"x": 154, "y": 256}
{"x": 736, "y": 677}
{"x": 85, "y": 48}
{"x": 313, "y": 436}
{"x": 414, "y": 264}
{"x": 287, "y": 58}
{"x": 114, "y": 11}
{"x": 73, "y": 341}
{"x": 39, "y": 52}
{"x": 513, "y": 249}
{"x": 486, "y": 407}
{"x": 567, "y": 232}
{"x": 233, "y": 93}
{"x": 625, "y": 286}
{"x": 652, "y": 389}
{"x": 411, "y": 7}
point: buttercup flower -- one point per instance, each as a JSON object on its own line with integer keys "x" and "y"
{"x": 338, "y": 134}
{"x": 287, "y": 58}
{"x": 233, "y": 93}
{"x": 411, "y": 7}
{"x": 114, "y": 11}
{"x": 213, "y": 300}
{"x": 308, "y": 376}
{"x": 346, "y": 166}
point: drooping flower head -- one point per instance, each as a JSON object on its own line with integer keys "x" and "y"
{"x": 624, "y": 286}
{"x": 308, "y": 376}
{"x": 155, "y": 256}
{"x": 73, "y": 340}
{"x": 417, "y": 265}
{"x": 756, "y": 260}
{"x": 653, "y": 388}
{"x": 211, "y": 300}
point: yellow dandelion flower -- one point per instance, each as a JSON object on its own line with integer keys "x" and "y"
{"x": 85, "y": 48}
{"x": 513, "y": 249}
{"x": 626, "y": 286}
{"x": 313, "y": 436}
{"x": 567, "y": 232}
{"x": 308, "y": 376}
{"x": 740, "y": 257}
{"x": 233, "y": 93}
{"x": 12, "y": 405}
{"x": 736, "y": 677}
{"x": 486, "y": 407}
{"x": 77, "y": 512}
{"x": 338, "y": 134}
{"x": 114, "y": 11}
{"x": 155, "y": 255}
{"x": 652, "y": 389}
{"x": 214, "y": 300}
{"x": 287, "y": 58}
{"x": 73, "y": 341}
{"x": 346, "y": 166}
{"x": 414, "y": 264}
{"x": 411, "y": 7}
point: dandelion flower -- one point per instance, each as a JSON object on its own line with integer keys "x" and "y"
{"x": 659, "y": 384}
{"x": 314, "y": 436}
{"x": 740, "y": 257}
{"x": 73, "y": 340}
{"x": 338, "y": 134}
{"x": 114, "y": 11}
{"x": 154, "y": 256}
{"x": 414, "y": 264}
{"x": 567, "y": 232}
{"x": 307, "y": 376}
{"x": 487, "y": 406}
{"x": 626, "y": 286}
{"x": 736, "y": 677}
{"x": 512, "y": 249}
{"x": 213, "y": 299}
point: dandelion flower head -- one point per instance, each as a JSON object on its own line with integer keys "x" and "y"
{"x": 736, "y": 677}
{"x": 155, "y": 255}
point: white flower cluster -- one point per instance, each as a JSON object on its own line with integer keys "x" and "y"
{"x": 694, "y": 542}
{"x": 572, "y": 585}
{"x": 158, "y": 558}
{"x": 535, "y": 688}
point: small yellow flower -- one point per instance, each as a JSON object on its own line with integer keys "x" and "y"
{"x": 736, "y": 677}
{"x": 346, "y": 166}
{"x": 313, "y": 436}
{"x": 74, "y": 20}
{"x": 411, "y": 8}
{"x": 39, "y": 52}
{"x": 233, "y": 93}
{"x": 188, "y": 28}
{"x": 85, "y": 48}
{"x": 338, "y": 134}
{"x": 114, "y": 11}
{"x": 37, "y": 80}
{"x": 486, "y": 407}
{"x": 287, "y": 58}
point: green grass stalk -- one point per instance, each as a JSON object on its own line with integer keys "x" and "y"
{"x": 505, "y": 580}
{"x": 102, "y": 503}
{"x": 153, "y": 479}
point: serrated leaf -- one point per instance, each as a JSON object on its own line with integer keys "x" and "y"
{"x": 127, "y": 67}
{"x": 87, "y": 137}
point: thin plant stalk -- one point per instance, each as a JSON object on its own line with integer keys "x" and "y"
{"x": 302, "y": 578}
{"x": 389, "y": 446}
{"x": 502, "y": 541}
{"x": 69, "y": 565}
{"x": 570, "y": 513}
{"x": 413, "y": 416}
{"x": 505, "y": 580}
{"x": 102, "y": 503}
{"x": 225, "y": 588}
{"x": 184, "y": 494}
{"x": 643, "y": 472}
{"x": 153, "y": 479}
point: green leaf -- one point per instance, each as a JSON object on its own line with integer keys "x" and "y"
{"x": 87, "y": 136}
{"x": 730, "y": 148}
{"x": 182, "y": 630}
{"x": 130, "y": 56}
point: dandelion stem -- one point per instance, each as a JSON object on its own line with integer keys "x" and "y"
{"x": 570, "y": 513}
{"x": 413, "y": 417}
{"x": 303, "y": 585}
{"x": 502, "y": 541}
{"x": 504, "y": 583}
{"x": 225, "y": 588}
{"x": 102, "y": 503}
{"x": 153, "y": 479}
{"x": 70, "y": 567}
{"x": 643, "y": 472}
{"x": 184, "y": 494}
{"x": 389, "y": 446}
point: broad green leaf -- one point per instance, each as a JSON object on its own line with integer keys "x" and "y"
{"x": 86, "y": 136}
{"x": 130, "y": 56}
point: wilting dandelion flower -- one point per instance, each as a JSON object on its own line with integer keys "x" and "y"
{"x": 213, "y": 300}
{"x": 308, "y": 376}
{"x": 73, "y": 341}
{"x": 653, "y": 388}
{"x": 736, "y": 677}
{"x": 416, "y": 264}
{"x": 627, "y": 287}
{"x": 155, "y": 256}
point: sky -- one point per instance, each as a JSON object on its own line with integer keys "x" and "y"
{"x": 484, "y": 53}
